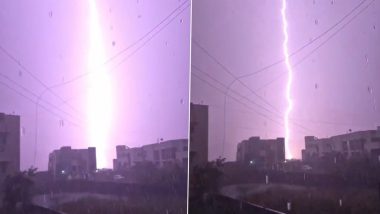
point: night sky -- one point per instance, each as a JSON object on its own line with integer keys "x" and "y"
{"x": 146, "y": 50}
{"x": 335, "y": 82}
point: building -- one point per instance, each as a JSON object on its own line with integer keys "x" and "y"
{"x": 9, "y": 144}
{"x": 198, "y": 134}
{"x": 261, "y": 152}
{"x": 171, "y": 152}
{"x": 72, "y": 163}
{"x": 360, "y": 144}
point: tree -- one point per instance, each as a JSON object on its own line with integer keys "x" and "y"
{"x": 17, "y": 190}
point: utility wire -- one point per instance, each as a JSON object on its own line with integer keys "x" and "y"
{"x": 10, "y": 56}
{"x": 158, "y": 26}
{"x": 127, "y": 57}
{"x": 319, "y": 46}
{"x": 35, "y": 95}
{"x": 227, "y": 70}
{"x": 307, "y": 44}
{"x": 42, "y": 106}
{"x": 280, "y": 124}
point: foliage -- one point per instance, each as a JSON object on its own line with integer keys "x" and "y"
{"x": 205, "y": 179}
{"x": 17, "y": 189}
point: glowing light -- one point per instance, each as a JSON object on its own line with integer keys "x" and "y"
{"x": 289, "y": 82}
{"x": 99, "y": 99}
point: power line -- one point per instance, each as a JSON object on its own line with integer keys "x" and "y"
{"x": 9, "y": 55}
{"x": 307, "y": 44}
{"x": 35, "y": 95}
{"x": 42, "y": 106}
{"x": 227, "y": 70}
{"x": 234, "y": 91}
{"x": 319, "y": 46}
{"x": 80, "y": 76}
{"x": 244, "y": 97}
{"x": 298, "y": 50}
{"x": 131, "y": 54}
{"x": 49, "y": 88}
{"x": 146, "y": 34}
{"x": 239, "y": 101}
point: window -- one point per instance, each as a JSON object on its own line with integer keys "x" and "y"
{"x": 169, "y": 153}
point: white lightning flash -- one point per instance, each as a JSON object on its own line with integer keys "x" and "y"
{"x": 99, "y": 99}
{"x": 289, "y": 82}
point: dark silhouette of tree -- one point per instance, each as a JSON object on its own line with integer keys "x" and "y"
{"x": 17, "y": 191}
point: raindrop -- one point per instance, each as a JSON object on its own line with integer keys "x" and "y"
{"x": 61, "y": 123}
{"x": 366, "y": 58}
{"x": 19, "y": 73}
{"x": 316, "y": 86}
{"x": 50, "y": 14}
{"x": 314, "y": 2}
{"x": 110, "y": 10}
{"x": 113, "y": 43}
{"x": 181, "y": 101}
{"x": 316, "y": 22}
{"x": 23, "y": 131}
{"x": 139, "y": 16}
{"x": 369, "y": 90}
{"x": 166, "y": 43}
{"x": 374, "y": 27}
{"x": 181, "y": 20}
{"x": 332, "y": 1}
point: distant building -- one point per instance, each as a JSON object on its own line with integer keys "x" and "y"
{"x": 261, "y": 152}
{"x": 9, "y": 144}
{"x": 72, "y": 163}
{"x": 198, "y": 134}
{"x": 360, "y": 144}
{"x": 161, "y": 154}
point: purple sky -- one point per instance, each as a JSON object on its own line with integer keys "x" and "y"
{"x": 335, "y": 89}
{"x": 51, "y": 40}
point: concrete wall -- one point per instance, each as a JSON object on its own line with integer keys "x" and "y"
{"x": 9, "y": 144}
{"x": 161, "y": 154}
{"x": 264, "y": 152}
{"x": 350, "y": 145}
{"x": 76, "y": 163}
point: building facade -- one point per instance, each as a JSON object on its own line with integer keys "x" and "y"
{"x": 166, "y": 153}
{"x": 360, "y": 144}
{"x": 9, "y": 144}
{"x": 72, "y": 163}
{"x": 261, "y": 152}
{"x": 198, "y": 134}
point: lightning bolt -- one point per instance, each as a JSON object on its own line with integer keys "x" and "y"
{"x": 100, "y": 100}
{"x": 289, "y": 82}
